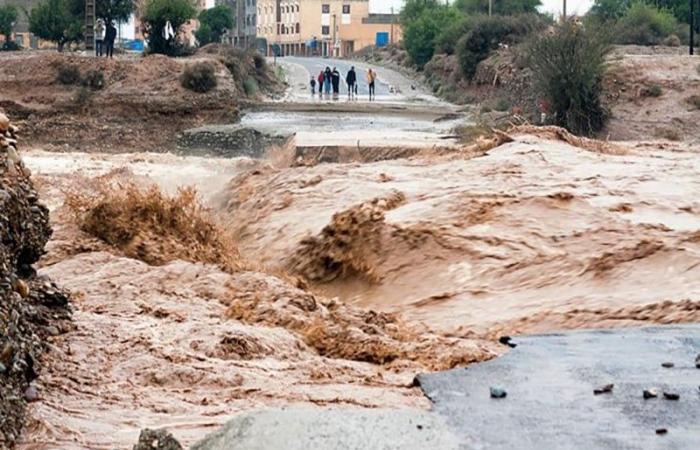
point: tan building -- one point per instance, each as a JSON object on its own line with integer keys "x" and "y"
{"x": 322, "y": 27}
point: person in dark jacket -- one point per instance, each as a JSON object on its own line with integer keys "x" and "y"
{"x": 110, "y": 37}
{"x": 335, "y": 79}
{"x": 351, "y": 80}
{"x": 327, "y": 75}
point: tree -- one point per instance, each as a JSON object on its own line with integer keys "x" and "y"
{"x": 213, "y": 23}
{"x": 8, "y": 17}
{"x": 502, "y": 7}
{"x": 155, "y": 16}
{"x": 59, "y": 21}
{"x": 568, "y": 67}
{"x": 421, "y": 34}
{"x": 117, "y": 10}
{"x": 614, "y": 9}
{"x": 413, "y": 9}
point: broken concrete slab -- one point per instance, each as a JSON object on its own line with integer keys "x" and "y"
{"x": 328, "y": 429}
{"x": 550, "y": 379}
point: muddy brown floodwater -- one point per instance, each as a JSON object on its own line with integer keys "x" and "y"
{"x": 533, "y": 235}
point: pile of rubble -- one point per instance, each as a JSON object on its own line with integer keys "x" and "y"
{"x": 32, "y": 308}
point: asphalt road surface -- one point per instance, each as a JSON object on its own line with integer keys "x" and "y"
{"x": 550, "y": 403}
{"x": 316, "y": 65}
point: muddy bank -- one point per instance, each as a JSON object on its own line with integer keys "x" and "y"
{"x": 32, "y": 309}
{"x": 546, "y": 228}
{"x": 137, "y": 104}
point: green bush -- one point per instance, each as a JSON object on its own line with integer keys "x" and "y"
{"x": 8, "y": 18}
{"x": 94, "y": 79}
{"x": 694, "y": 101}
{"x": 420, "y": 35}
{"x": 652, "y": 91}
{"x": 250, "y": 86}
{"x": 198, "y": 77}
{"x": 446, "y": 41}
{"x": 487, "y": 33}
{"x": 568, "y": 67}
{"x": 68, "y": 74}
{"x": 499, "y": 7}
{"x": 644, "y": 24}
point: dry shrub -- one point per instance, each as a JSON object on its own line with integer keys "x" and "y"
{"x": 350, "y": 245}
{"x": 199, "y": 77}
{"x": 341, "y": 331}
{"x": 149, "y": 225}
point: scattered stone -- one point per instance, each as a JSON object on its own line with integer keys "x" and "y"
{"x": 2, "y": 368}
{"x": 498, "y": 392}
{"x": 661, "y": 431}
{"x": 667, "y": 365}
{"x": 4, "y": 123}
{"x": 157, "y": 440}
{"x": 671, "y": 396}
{"x": 21, "y": 288}
{"x": 697, "y": 361}
{"x": 31, "y": 394}
{"x": 507, "y": 340}
{"x": 650, "y": 393}
{"x": 604, "y": 389}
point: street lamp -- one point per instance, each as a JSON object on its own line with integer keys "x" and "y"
{"x": 692, "y": 26}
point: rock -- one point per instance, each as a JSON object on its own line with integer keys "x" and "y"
{"x": 21, "y": 288}
{"x": 4, "y": 123}
{"x": 498, "y": 392}
{"x": 671, "y": 396}
{"x": 157, "y": 440}
{"x": 507, "y": 340}
{"x": 31, "y": 394}
{"x": 604, "y": 389}
{"x": 661, "y": 431}
{"x": 650, "y": 393}
{"x": 667, "y": 365}
{"x": 697, "y": 361}
{"x": 2, "y": 368}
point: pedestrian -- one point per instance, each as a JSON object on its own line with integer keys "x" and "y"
{"x": 351, "y": 80}
{"x": 371, "y": 78}
{"x": 321, "y": 77}
{"x": 99, "y": 37}
{"x": 313, "y": 85}
{"x": 327, "y": 75}
{"x": 110, "y": 36}
{"x": 335, "y": 79}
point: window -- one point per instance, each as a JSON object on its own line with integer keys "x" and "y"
{"x": 346, "y": 9}
{"x": 298, "y": 28}
{"x": 325, "y": 9}
{"x": 325, "y": 30}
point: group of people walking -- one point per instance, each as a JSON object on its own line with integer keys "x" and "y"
{"x": 105, "y": 35}
{"x": 329, "y": 80}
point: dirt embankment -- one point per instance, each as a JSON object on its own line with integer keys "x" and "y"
{"x": 31, "y": 308}
{"x": 132, "y": 103}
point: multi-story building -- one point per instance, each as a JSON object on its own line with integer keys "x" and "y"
{"x": 245, "y": 14}
{"x": 322, "y": 27}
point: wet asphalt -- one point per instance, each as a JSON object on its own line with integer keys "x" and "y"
{"x": 550, "y": 403}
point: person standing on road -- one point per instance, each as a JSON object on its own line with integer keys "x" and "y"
{"x": 110, "y": 36}
{"x": 327, "y": 80}
{"x": 320, "y": 83}
{"x": 351, "y": 80}
{"x": 99, "y": 37}
{"x": 371, "y": 78}
{"x": 335, "y": 78}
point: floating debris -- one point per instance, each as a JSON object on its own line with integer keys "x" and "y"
{"x": 667, "y": 365}
{"x": 671, "y": 396}
{"x": 661, "y": 431}
{"x": 604, "y": 389}
{"x": 650, "y": 393}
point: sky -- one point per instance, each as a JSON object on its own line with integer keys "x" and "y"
{"x": 552, "y": 6}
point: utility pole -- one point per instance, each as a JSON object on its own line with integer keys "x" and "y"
{"x": 490, "y": 7}
{"x": 563, "y": 12}
{"x": 89, "y": 25}
{"x": 692, "y": 27}
{"x": 391, "y": 37}
{"x": 334, "y": 37}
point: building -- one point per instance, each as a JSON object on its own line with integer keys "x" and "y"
{"x": 245, "y": 14}
{"x": 322, "y": 27}
{"x": 22, "y": 36}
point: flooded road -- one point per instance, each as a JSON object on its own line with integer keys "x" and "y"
{"x": 358, "y": 275}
